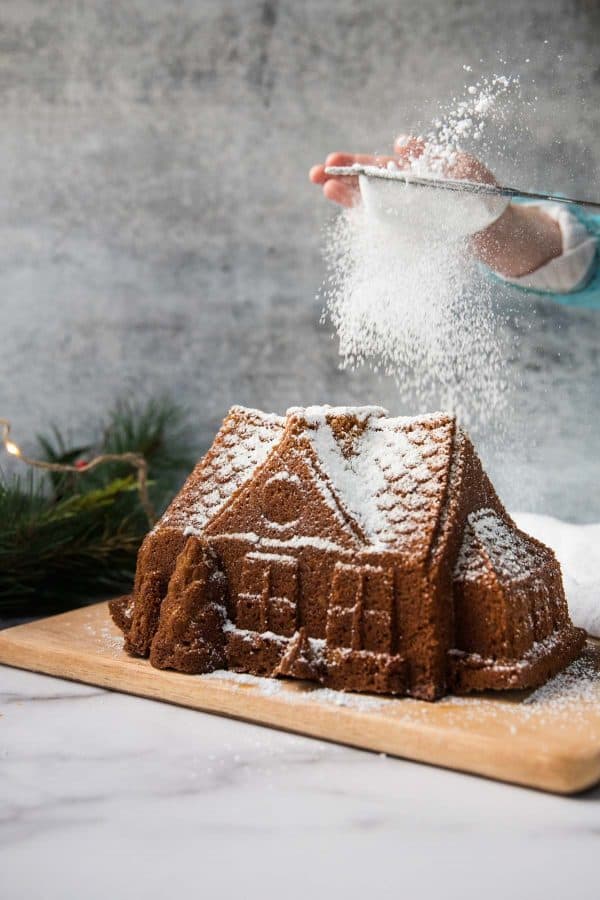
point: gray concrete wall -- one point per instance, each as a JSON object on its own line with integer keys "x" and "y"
{"x": 157, "y": 230}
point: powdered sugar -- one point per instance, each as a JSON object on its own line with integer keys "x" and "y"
{"x": 384, "y": 474}
{"x": 418, "y": 309}
{"x": 489, "y": 540}
{"x": 379, "y": 479}
{"x": 271, "y": 557}
{"x": 408, "y": 298}
{"x": 318, "y": 415}
{"x": 578, "y": 685}
{"x": 285, "y": 476}
{"x": 268, "y": 687}
{"x": 230, "y": 628}
{"x": 110, "y": 641}
{"x": 465, "y": 119}
{"x": 295, "y": 541}
{"x": 242, "y": 445}
{"x": 291, "y": 693}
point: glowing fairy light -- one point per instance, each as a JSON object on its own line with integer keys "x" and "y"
{"x": 135, "y": 460}
{"x": 12, "y": 448}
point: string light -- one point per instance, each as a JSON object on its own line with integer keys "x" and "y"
{"x": 12, "y": 448}
{"x": 135, "y": 460}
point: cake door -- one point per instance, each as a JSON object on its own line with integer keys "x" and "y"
{"x": 360, "y": 612}
{"x": 360, "y": 631}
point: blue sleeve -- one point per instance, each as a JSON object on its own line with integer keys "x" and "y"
{"x": 589, "y": 295}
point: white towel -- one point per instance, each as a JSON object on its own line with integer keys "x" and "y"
{"x": 578, "y": 550}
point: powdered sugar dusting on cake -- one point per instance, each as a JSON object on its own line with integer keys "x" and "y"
{"x": 385, "y": 474}
{"x": 391, "y": 478}
{"x": 296, "y": 541}
{"x": 317, "y": 415}
{"x": 490, "y": 541}
{"x": 405, "y": 293}
{"x": 242, "y": 445}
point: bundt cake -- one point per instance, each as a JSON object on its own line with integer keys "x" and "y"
{"x": 351, "y": 548}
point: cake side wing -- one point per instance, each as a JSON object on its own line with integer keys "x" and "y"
{"x": 513, "y": 628}
{"x": 510, "y": 625}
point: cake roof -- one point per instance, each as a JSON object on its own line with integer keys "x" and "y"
{"x": 242, "y": 444}
{"x": 388, "y": 474}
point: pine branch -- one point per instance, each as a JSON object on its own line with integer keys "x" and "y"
{"x": 70, "y": 539}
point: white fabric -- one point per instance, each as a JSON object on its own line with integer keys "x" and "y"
{"x": 569, "y": 271}
{"x": 577, "y": 548}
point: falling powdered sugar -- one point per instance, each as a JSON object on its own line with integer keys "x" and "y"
{"x": 412, "y": 309}
{"x": 467, "y": 120}
{"x": 405, "y": 293}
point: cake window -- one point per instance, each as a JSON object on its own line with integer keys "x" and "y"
{"x": 267, "y": 600}
{"x": 283, "y": 498}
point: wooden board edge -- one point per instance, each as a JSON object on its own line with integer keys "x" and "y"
{"x": 544, "y": 771}
{"x": 555, "y": 774}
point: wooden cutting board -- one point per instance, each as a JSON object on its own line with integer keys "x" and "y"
{"x": 548, "y": 740}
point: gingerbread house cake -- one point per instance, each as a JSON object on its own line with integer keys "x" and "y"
{"x": 351, "y": 548}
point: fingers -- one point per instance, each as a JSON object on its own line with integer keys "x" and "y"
{"x": 317, "y": 174}
{"x": 342, "y": 190}
{"x": 408, "y": 148}
{"x": 469, "y": 168}
{"x": 348, "y": 159}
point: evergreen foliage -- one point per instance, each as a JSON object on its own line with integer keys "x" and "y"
{"x": 69, "y": 538}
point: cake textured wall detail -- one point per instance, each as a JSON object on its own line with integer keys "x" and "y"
{"x": 351, "y": 548}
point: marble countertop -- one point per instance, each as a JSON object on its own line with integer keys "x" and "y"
{"x": 107, "y": 795}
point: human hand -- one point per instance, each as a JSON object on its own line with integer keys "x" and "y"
{"x": 521, "y": 240}
{"x": 343, "y": 189}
